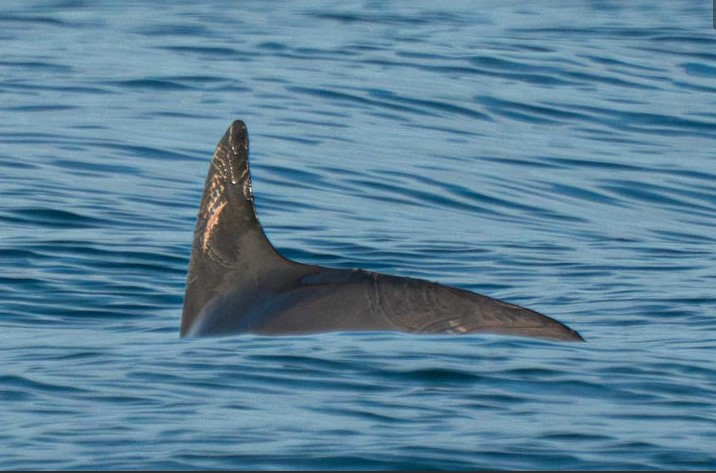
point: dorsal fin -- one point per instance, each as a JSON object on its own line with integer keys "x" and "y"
{"x": 228, "y": 237}
{"x": 238, "y": 282}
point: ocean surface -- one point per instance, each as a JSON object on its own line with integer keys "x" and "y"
{"x": 560, "y": 155}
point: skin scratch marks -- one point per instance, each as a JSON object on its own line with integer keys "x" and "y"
{"x": 213, "y": 221}
{"x": 214, "y": 198}
{"x": 228, "y": 170}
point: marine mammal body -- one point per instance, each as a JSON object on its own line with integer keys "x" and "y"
{"x": 237, "y": 281}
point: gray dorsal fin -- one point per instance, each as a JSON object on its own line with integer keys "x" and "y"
{"x": 238, "y": 282}
{"x": 228, "y": 238}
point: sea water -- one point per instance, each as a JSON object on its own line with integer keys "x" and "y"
{"x": 560, "y": 155}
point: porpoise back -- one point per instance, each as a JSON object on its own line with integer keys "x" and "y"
{"x": 238, "y": 283}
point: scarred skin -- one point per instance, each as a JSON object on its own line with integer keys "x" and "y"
{"x": 239, "y": 283}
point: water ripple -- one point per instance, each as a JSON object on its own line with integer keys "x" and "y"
{"x": 560, "y": 157}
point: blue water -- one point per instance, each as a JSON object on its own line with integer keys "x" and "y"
{"x": 560, "y": 155}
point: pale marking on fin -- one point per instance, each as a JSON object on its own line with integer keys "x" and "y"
{"x": 213, "y": 220}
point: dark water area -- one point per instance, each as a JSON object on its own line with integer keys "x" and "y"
{"x": 558, "y": 155}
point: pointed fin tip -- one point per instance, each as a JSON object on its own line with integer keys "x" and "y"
{"x": 238, "y": 136}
